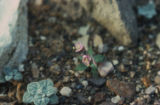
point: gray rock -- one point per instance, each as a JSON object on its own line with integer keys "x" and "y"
{"x": 97, "y": 41}
{"x": 120, "y": 48}
{"x": 84, "y": 83}
{"x": 116, "y": 99}
{"x": 150, "y": 90}
{"x": 142, "y": 100}
{"x": 13, "y": 34}
{"x": 38, "y": 2}
{"x": 97, "y": 81}
{"x": 66, "y": 79}
{"x": 35, "y": 70}
{"x": 158, "y": 41}
{"x": 43, "y": 38}
{"x": 103, "y": 48}
{"x": 66, "y": 91}
{"x": 82, "y": 99}
{"x": 138, "y": 88}
{"x": 157, "y": 102}
{"x": 99, "y": 96}
{"x": 157, "y": 79}
{"x": 132, "y": 74}
{"x": 105, "y": 68}
{"x": 115, "y": 62}
{"x": 121, "y": 88}
{"x": 115, "y": 15}
{"x": 83, "y": 30}
{"x": 158, "y": 73}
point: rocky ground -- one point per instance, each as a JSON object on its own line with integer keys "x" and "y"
{"x": 135, "y": 79}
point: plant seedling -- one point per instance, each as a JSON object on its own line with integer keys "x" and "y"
{"x": 12, "y": 74}
{"x": 41, "y": 93}
{"x": 87, "y": 58}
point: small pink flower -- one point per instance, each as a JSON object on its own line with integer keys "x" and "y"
{"x": 79, "y": 47}
{"x": 86, "y": 59}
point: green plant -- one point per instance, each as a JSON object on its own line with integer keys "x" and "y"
{"x": 41, "y": 93}
{"x": 12, "y": 74}
{"x": 88, "y": 59}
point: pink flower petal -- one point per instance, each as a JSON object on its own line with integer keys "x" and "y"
{"x": 86, "y": 59}
{"x": 79, "y": 47}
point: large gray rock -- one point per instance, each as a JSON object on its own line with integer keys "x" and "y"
{"x": 13, "y": 32}
{"x": 116, "y": 15}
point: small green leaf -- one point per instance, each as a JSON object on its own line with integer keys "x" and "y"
{"x": 98, "y": 58}
{"x": 44, "y": 83}
{"x": 39, "y": 100}
{"x": 80, "y": 57}
{"x": 32, "y": 87}
{"x": 81, "y": 67}
{"x": 93, "y": 66}
{"x": 8, "y": 77}
{"x": 94, "y": 70}
{"x": 53, "y": 99}
{"x": 18, "y": 76}
{"x": 90, "y": 51}
{"x": 50, "y": 90}
{"x": 49, "y": 82}
{"x": 27, "y": 98}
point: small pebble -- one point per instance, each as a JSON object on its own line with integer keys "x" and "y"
{"x": 35, "y": 70}
{"x": 105, "y": 68}
{"x": 52, "y": 19}
{"x": 157, "y": 102}
{"x": 66, "y": 79}
{"x": 81, "y": 98}
{"x": 120, "y": 48}
{"x": 122, "y": 68}
{"x": 158, "y": 41}
{"x": 79, "y": 86}
{"x": 43, "y": 38}
{"x": 38, "y": 2}
{"x": 103, "y": 48}
{"x": 97, "y": 41}
{"x": 121, "y": 88}
{"x": 66, "y": 91}
{"x": 116, "y": 99}
{"x": 158, "y": 73}
{"x": 99, "y": 96}
{"x": 76, "y": 74}
{"x": 71, "y": 71}
{"x": 41, "y": 68}
{"x": 97, "y": 81}
{"x": 75, "y": 60}
{"x": 132, "y": 74}
{"x": 157, "y": 79}
{"x": 138, "y": 88}
{"x": 115, "y": 62}
{"x": 89, "y": 98}
{"x": 84, "y": 83}
{"x": 150, "y": 90}
{"x": 73, "y": 85}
